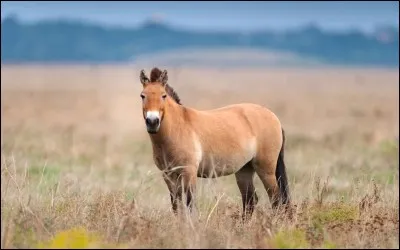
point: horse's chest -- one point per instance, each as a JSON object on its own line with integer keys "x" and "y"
{"x": 167, "y": 158}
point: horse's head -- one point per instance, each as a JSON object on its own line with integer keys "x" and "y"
{"x": 154, "y": 97}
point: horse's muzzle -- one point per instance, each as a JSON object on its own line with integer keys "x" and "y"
{"x": 153, "y": 125}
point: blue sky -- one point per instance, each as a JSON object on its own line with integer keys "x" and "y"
{"x": 218, "y": 15}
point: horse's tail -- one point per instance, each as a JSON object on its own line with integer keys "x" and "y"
{"x": 280, "y": 174}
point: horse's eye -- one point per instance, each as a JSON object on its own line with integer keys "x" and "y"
{"x": 142, "y": 96}
{"x": 164, "y": 96}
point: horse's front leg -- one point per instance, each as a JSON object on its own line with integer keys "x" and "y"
{"x": 181, "y": 184}
{"x": 189, "y": 178}
{"x": 170, "y": 180}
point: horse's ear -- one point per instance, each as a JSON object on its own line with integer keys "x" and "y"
{"x": 143, "y": 78}
{"x": 163, "y": 78}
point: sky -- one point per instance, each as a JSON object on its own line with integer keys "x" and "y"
{"x": 215, "y": 15}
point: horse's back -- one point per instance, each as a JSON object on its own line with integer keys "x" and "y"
{"x": 256, "y": 117}
{"x": 245, "y": 119}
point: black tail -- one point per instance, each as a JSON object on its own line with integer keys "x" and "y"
{"x": 280, "y": 174}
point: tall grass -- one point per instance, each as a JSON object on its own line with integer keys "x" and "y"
{"x": 77, "y": 168}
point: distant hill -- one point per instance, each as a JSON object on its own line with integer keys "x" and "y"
{"x": 72, "y": 41}
{"x": 225, "y": 57}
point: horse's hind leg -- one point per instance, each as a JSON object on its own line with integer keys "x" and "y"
{"x": 265, "y": 169}
{"x": 244, "y": 180}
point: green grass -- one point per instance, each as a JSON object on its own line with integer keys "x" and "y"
{"x": 334, "y": 213}
{"x": 290, "y": 239}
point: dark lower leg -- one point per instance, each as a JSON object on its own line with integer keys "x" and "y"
{"x": 249, "y": 201}
{"x": 189, "y": 199}
{"x": 174, "y": 202}
{"x": 244, "y": 180}
{"x": 181, "y": 187}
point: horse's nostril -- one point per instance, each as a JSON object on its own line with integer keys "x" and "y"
{"x": 152, "y": 121}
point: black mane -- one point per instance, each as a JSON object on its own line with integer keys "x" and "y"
{"x": 154, "y": 75}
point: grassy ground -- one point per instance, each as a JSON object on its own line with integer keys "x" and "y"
{"x": 75, "y": 155}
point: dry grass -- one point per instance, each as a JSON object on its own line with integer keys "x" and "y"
{"x": 75, "y": 154}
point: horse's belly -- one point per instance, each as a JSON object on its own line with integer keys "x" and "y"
{"x": 214, "y": 166}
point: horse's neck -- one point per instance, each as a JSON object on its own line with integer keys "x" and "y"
{"x": 171, "y": 126}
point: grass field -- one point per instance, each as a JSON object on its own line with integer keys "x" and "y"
{"x": 75, "y": 153}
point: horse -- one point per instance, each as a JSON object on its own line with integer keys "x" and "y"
{"x": 241, "y": 139}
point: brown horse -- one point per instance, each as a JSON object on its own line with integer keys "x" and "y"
{"x": 241, "y": 139}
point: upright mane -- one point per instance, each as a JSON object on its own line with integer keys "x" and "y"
{"x": 154, "y": 75}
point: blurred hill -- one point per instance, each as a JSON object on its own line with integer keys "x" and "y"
{"x": 225, "y": 57}
{"x": 76, "y": 41}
